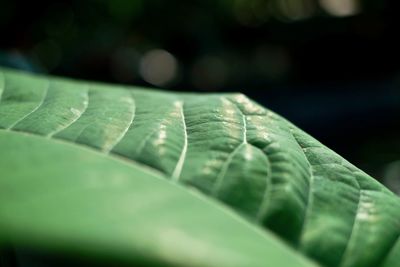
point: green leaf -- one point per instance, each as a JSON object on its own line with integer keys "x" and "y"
{"x": 68, "y": 198}
{"x": 114, "y": 172}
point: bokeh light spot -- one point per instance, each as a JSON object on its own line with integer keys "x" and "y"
{"x": 158, "y": 67}
{"x": 293, "y": 10}
{"x": 340, "y": 8}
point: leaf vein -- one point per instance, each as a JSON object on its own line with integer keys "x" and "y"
{"x": 32, "y": 111}
{"x": 123, "y": 133}
{"x": 178, "y": 168}
{"x": 85, "y": 105}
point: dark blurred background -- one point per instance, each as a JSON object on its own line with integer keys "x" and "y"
{"x": 330, "y": 66}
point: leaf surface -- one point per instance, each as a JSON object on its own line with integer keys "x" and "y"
{"x": 226, "y": 146}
